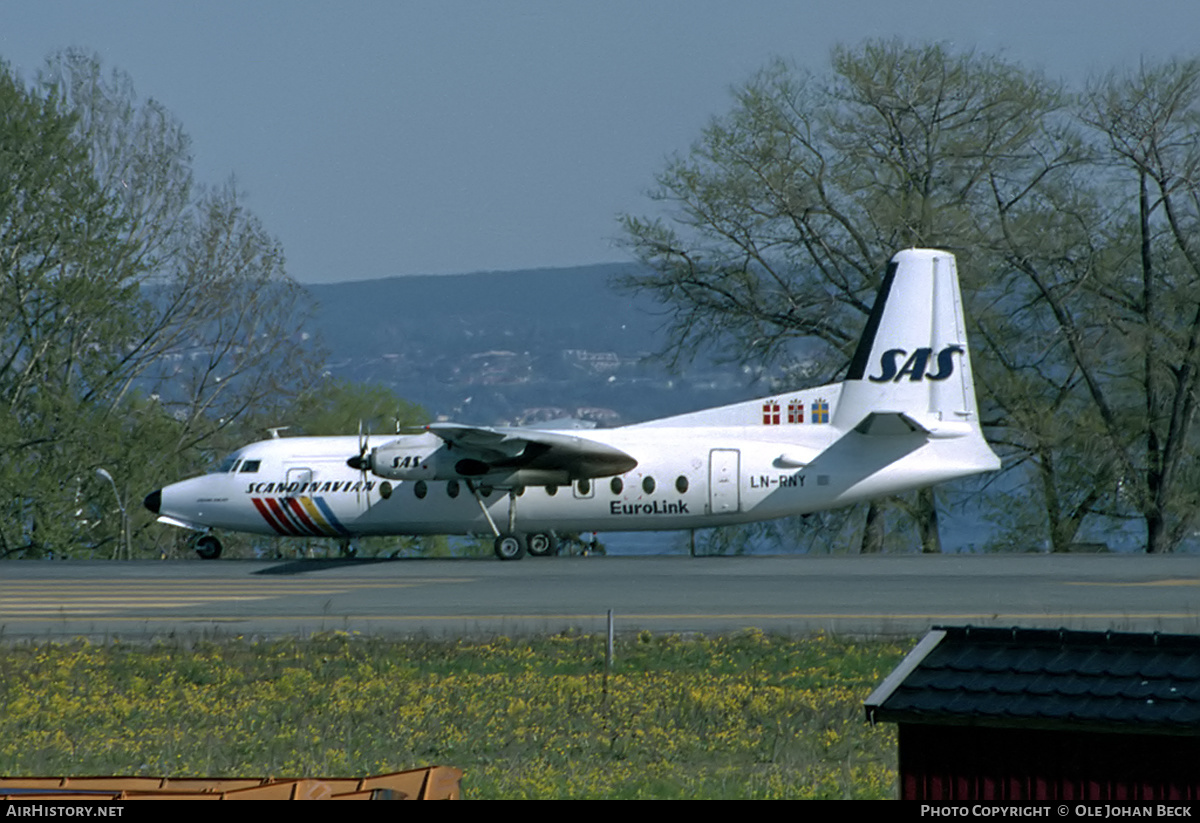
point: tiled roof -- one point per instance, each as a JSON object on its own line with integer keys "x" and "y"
{"x": 1046, "y": 678}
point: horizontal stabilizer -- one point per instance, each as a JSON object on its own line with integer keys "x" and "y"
{"x": 889, "y": 424}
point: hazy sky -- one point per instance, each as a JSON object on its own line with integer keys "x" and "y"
{"x": 383, "y": 138}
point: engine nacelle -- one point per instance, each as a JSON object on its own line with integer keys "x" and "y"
{"x": 552, "y": 459}
{"x": 408, "y": 463}
{"x": 413, "y": 461}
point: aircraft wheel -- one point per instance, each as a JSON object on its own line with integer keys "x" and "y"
{"x": 510, "y": 547}
{"x": 541, "y": 545}
{"x": 208, "y": 547}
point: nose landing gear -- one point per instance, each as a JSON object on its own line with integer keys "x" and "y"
{"x": 207, "y": 547}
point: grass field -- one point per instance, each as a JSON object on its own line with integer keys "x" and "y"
{"x": 746, "y": 716}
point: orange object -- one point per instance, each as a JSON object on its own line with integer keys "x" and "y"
{"x": 430, "y": 783}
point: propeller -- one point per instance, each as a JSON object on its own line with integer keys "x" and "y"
{"x": 361, "y": 461}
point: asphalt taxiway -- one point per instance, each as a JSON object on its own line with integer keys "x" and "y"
{"x": 897, "y": 595}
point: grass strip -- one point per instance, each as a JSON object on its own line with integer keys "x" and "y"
{"x": 749, "y": 715}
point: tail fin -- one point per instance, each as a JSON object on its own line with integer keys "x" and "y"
{"x": 912, "y": 368}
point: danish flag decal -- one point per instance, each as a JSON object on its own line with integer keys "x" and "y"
{"x": 772, "y": 411}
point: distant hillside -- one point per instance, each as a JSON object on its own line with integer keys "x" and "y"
{"x": 516, "y": 346}
{"x": 523, "y": 309}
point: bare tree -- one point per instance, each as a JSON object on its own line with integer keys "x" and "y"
{"x": 786, "y": 210}
{"x": 1135, "y": 340}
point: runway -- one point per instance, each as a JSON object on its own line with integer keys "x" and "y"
{"x": 885, "y": 595}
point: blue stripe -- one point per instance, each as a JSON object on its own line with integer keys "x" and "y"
{"x": 325, "y": 510}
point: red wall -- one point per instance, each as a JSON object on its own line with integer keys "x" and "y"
{"x": 956, "y": 763}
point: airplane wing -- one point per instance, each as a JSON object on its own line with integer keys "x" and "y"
{"x": 498, "y": 448}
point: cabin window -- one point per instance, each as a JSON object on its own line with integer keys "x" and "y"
{"x": 520, "y": 490}
{"x": 420, "y": 489}
{"x": 648, "y": 485}
{"x": 551, "y": 491}
{"x": 585, "y": 486}
{"x": 617, "y": 485}
{"x": 452, "y": 488}
{"x": 250, "y": 466}
{"x": 681, "y": 484}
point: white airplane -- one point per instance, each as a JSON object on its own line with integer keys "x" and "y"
{"x": 904, "y": 418}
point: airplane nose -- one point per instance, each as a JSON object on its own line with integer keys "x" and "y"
{"x": 153, "y": 500}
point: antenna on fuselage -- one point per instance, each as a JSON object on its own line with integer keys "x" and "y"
{"x": 276, "y": 430}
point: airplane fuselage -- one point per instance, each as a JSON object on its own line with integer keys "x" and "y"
{"x": 904, "y": 418}
{"x": 685, "y": 478}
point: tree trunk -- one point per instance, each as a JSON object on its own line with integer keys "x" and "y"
{"x": 927, "y": 522}
{"x": 873, "y": 530}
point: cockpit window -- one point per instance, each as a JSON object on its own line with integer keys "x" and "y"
{"x": 251, "y": 465}
{"x": 229, "y": 464}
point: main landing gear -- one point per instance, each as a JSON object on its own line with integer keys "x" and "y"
{"x": 542, "y": 545}
{"x": 512, "y": 546}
